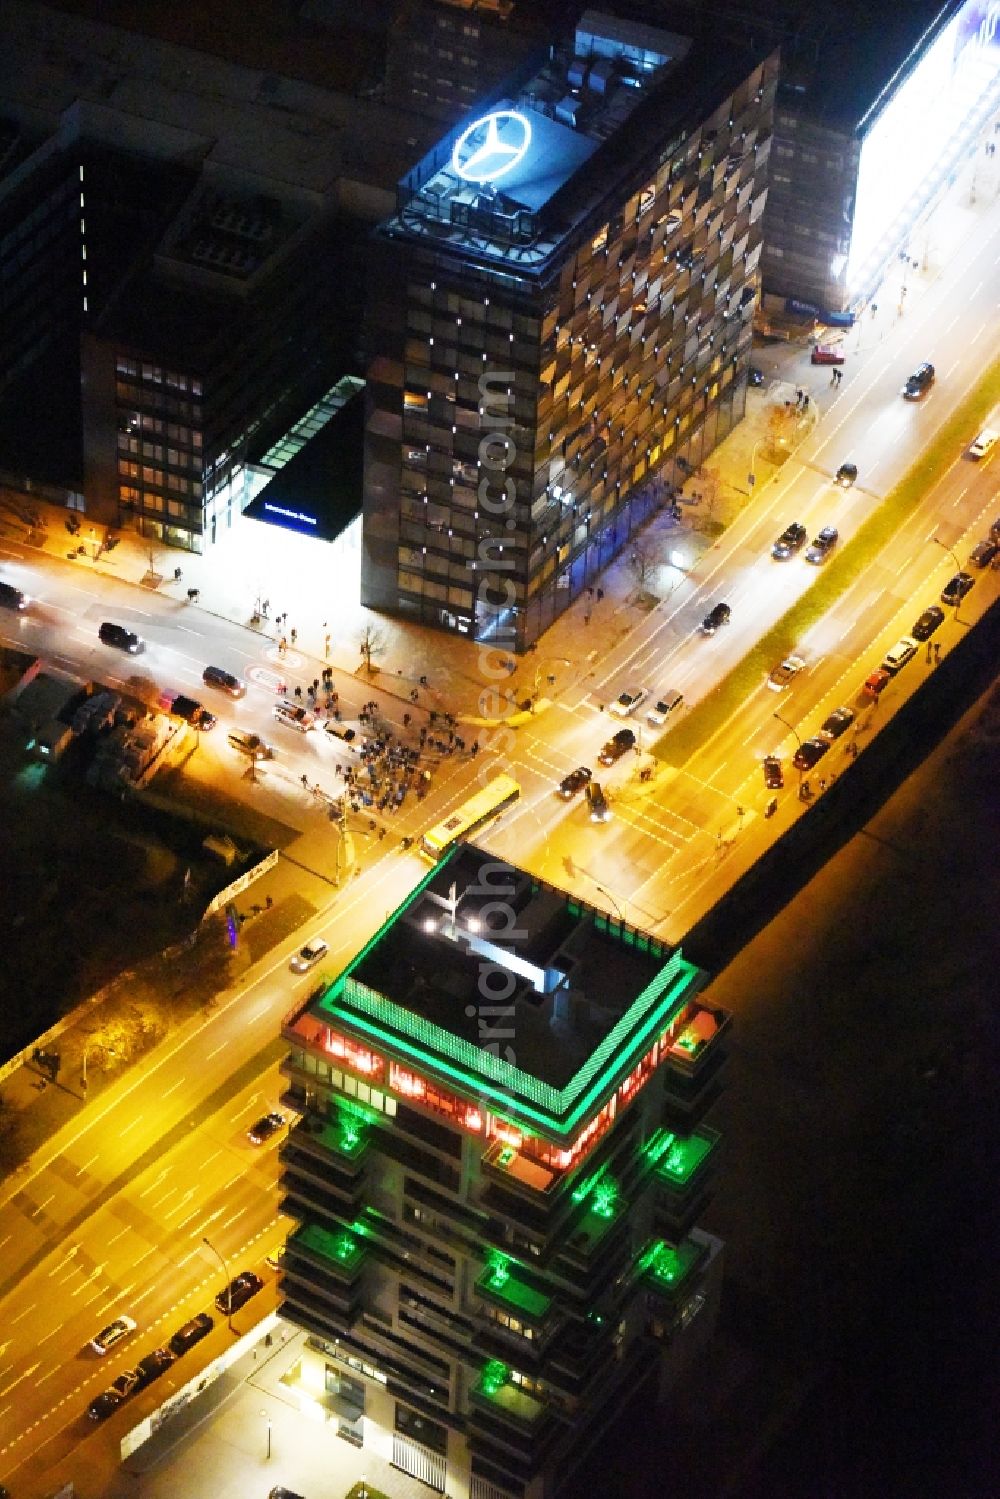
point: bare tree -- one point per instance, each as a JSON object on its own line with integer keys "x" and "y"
{"x": 371, "y": 643}
{"x": 645, "y": 559}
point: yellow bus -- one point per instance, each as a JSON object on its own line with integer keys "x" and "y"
{"x": 495, "y": 796}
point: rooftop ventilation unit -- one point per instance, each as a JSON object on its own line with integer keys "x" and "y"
{"x": 570, "y": 111}
{"x": 576, "y": 73}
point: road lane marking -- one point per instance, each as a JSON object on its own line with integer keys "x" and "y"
{"x": 215, "y": 1053}
{"x": 87, "y": 1164}
{"x": 173, "y": 1087}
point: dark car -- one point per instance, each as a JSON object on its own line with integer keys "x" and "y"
{"x": 773, "y": 775}
{"x": 239, "y": 1291}
{"x": 838, "y": 722}
{"x": 619, "y": 744}
{"x": 822, "y": 545}
{"x": 280, "y": 1492}
{"x": 755, "y": 375}
{"x": 192, "y": 712}
{"x": 13, "y": 598}
{"x": 214, "y": 676}
{"x": 121, "y": 639}
{"x": 995, "y": 530}
{"x": 102, "y": 1406}
{"x": 266, "y": 1126}
{"x": 928, "y": 623}
{"x": 983, "y": 552}
{"x": 191, "y": 1333}
{"x": 846, "y": 475}
{"x": 919, "y": 383}
{"x": 124, "y": 1383}
{"x": 956, "y": 588}
{"x": 717, "y": 616}
{"x": 790, "y": 540}
{"x": 807, "y": 754}
{"x": 575, "y": 781}
{"x": 597, "y": 802}
{"x": 153, "y": 1365}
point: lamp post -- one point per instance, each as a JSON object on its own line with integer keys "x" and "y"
{"x": 267, "y": 1418}
{"x": 954, "y": 557}
{"x": 229, "y": 1287}
{"x": 798, "y": 740}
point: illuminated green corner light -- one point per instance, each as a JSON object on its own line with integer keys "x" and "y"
{"x": 663, "y": 1261}
{"x": 498, "y": 1266}
{"x": 345, "y": 1247}
{"x": 494, "y": 1376}
{"x": 605, "y": 1198}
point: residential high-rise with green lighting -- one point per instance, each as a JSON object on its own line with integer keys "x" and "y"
{"x": 496, "y": 1179}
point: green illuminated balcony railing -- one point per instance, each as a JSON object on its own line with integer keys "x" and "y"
{"x": 669, "y": 1268}
{"x": 341, "y": 1252}
{"x": 679, "y": 1158}
{"x": 497, "y": 1284}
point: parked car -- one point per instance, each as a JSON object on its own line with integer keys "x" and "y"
{"x": 822, "y": 545}
{"x": 876, "y": 683}
{"x": 667, "y": 703}
{"x": 214, "y": 676}
{"x": 956, "y": 588}
{"x": 191, "y": 1333}
{"x": 755, "y": 375}
{"x": 251, "y": 745}
{"x": 836, "y": 723}
{"x": 919, "y": 383}
{"x": 575, "y": 781}
{"x": 785, "y": 672}
{"x": 807, "y": 754}
{"x": 191, "y": 712}
{"x": 238, "y": 1292}
{"x": 897, "y": 655}
{"x": 153, "y": 1365}
{"x": 619, "y": 744}
{"x": 307, "y": 957}
{"x": 124, "y": 1383}
{"x": 773, "y": 775}
{"x": 846, "y": 475}
{"x": 827, "y": 354}
{"x": 263, "y": 1128}
{"x": 626, "y": 703}
{"x": 928, "y": 623}
{"x": 338, "y": 731}
{"x": 121, "y": 639}
{"x": 983, "y": 552}
{"x": 113, "y": 1334}
{"x": 293, "y": 716}
{"x": 719, "y": 615}
{"x": 597, "y": 802}
{"x": 790, "y": 540}
{"x": 13, "y": 598}
{"x": 983, "y": 444}
{"x": 102, "y": 1405}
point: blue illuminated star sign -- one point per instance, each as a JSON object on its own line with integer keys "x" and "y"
{"x": 485, "y": 158}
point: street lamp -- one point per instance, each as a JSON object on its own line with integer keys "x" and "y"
{"x": 229, "y": 1285}
{"x": 267, "y": 1418}
{"x": 798, "y": 740}
{"x": 954, "y": 557}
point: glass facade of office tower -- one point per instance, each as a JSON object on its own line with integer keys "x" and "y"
{"x": 622, "y": 358}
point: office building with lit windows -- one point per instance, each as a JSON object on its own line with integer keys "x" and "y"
{"x": 559, "y": 310}
{"x": 497, "y": 1176}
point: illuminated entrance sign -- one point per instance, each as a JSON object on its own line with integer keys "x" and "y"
{"x": 508, "y": 136}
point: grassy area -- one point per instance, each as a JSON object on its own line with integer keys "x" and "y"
{"x": 834, "y": 579}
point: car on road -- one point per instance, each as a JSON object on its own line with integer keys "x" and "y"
{"x": 251, "y": 745}
{"x": 956, "y": 588}
{"x": 13, "y": 598}
{"x": 785, "y": 672}
{"x": 928, "y": 623}
{"x": 755, "y": 375}
{"x": 575, "y": 781}
{"x": 919, "y": 383}
{"x": 774, "y": 777}
{"x": 822, "y": 545}
{"x": 104, "y": 1404}
{"x": 807, "y": 754}
{"x": 124, "y": 1383}
{"x": 984, "y": 443}
{"x": 667, "y": 703}
{"x": 153, "y": 1365}
{"x": 307, "y": 957}
{"x": 619, "y": 744}
{"x": 846, "y": 475}
{"x": 214, "y": 676}
{"x": 238, "y": 1292}
{"x": 790, "y": 540}
{"x": 983, "y": 552}
{"x": 827, "y": 354}
{"x": 897, "y": 655}
{"x": 719, "y": 615}
{"x": 876, "y": 683}
{"x": 113, "y": 1334}
{"x": 597, "y": 802}
{"x": 120, "y": 638}
{"x": 191, "y": 1333}
{"x": 626, "y": 702}
{"x": 836, "y": 723}
{"x": 293, "y": 716}
{"x": 263, "y": 1128}
{"x": 338, "y": 731}
{"x": 191, "y": 712}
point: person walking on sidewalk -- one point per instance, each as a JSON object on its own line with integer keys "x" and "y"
{"x": 293, "y": 632}
{"x": 326, "y": 646}
{"x": 282, "y": 646}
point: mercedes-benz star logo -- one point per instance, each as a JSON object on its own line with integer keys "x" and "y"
{"x": 492, "y": 157}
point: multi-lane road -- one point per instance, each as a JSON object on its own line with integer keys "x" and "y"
{"x": 111, "y": 1216}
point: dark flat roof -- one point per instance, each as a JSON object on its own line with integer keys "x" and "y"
{"x": 319, "y": 491}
